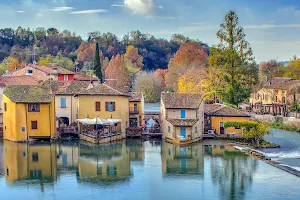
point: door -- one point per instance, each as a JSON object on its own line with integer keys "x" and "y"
{"x": 222, "y": 129}
{"x": 183, "y": 131}
{"x": 133, "y": 122}
{"x": 135, "y": 107}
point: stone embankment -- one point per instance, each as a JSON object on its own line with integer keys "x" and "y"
{"x": 291, "y": 121}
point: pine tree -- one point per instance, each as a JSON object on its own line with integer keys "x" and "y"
{"x": 97, "y": 64}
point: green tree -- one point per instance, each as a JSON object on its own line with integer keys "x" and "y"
{"x": 234, "y": 57}
{"x": 97, "y": 63}
{"x": 257, "y": 132}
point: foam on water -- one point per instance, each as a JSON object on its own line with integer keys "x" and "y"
{"x": 294, "y": 154}
{"x": 293, "y": 167}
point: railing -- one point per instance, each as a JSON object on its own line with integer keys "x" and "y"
{"x": 133, "y": 110}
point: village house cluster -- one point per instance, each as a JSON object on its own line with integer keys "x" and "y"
{"x": 42, "y": 102}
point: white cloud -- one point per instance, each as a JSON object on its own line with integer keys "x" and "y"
{"x": 268, "y": 26}
{"x": 89, "y": 11}
{"x": 117, "y": 5}
{"x": 39, "y": 15}
{"x": 64, "y": 8}
{"x": 140, "y": 6}
{"x": 161, "y": 7}
{"x": 20, "y": 11}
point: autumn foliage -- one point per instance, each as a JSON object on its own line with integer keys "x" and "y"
{"x": 116, "y": 73}
{"x": 85, "y": 52}
{"x": 14, "y": 63}
{"x": 193, "y": 81}
{"x": 190, "y": 55}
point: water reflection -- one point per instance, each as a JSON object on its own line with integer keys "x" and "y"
{"x": 106, "y": 163}
{"x": 185, "y": 160}
{"x": 35, "y": 162}
{"x": 231, "y": 170}
{"x": 1, "y": 159}
{"x": 68, "y": 156}
{"x": 136, "y": 151}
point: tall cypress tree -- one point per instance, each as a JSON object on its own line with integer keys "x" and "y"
{"x": 97, "y": 64}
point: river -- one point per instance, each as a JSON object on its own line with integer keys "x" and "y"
{"x": 134, "y": 169}
{"x": 289, "y": 152}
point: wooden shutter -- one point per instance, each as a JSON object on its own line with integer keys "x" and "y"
{"x": 98, "y": 106}
{"x": 106, "y": 106}
{"x": 114, "y": 106}
{"x": 34, "y": 125}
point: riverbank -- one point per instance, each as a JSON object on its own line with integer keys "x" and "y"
{"x": 248, "y": 143}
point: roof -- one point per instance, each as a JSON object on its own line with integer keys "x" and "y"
{"x": 47, "y": 69}
{"x": 27, "y": 94}
{"x": 135, "y": 96}
{"x": 181, "y": 101}
{"x": 182, "y": 122}
{"x": 17, "y": 80}
{"x": 84, "y": 77}
{"x": 102, "y": 89}
{"x": 281, "y": 83}
{"x": 223, "y": 110}
{"x": 66, "y": 87}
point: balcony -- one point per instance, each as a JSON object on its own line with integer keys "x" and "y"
{"x": 133, "y": 110}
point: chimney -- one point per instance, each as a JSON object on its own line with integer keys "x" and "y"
{"x": 267, "y": 78}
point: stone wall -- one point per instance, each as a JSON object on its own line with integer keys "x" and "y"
{"x": 271, "y": 119}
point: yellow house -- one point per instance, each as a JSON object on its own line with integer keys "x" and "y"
{"x": 275, "y": 96}
{"x": 187, "y": 160}
{"x": 105, "y": 165}
{"x": 136, "y": 109}
{"x": 217, "y": 114}
{"x": 24, "y": 161}
{"x": 105, "y": 102}
{"x": 182, "y": 117}
{"x": 28, "y": 113}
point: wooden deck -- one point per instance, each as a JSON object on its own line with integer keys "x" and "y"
{"x": 104, "y": 139}
{"x": 156, "y": 132}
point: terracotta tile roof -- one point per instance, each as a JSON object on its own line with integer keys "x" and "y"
{"x": 280, "y": 83}
{"x": 27, "y": 94}
{"x": 182, "y": 122}
{"x": 66, "y": 87}
{"x": 17, "y": 80}
{"x": 176, "y": 100}
{"x": 102, "y": 89}
{"x": 135, "y": 96}
{"x": 46, "y": 69}
{"x": 223, "y": 110}
{"x": 84, "y": 77}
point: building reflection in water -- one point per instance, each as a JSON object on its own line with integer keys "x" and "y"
{"x": 231, "y": 170}
{"x": 34, "y": 162}
{"x": 68, "y": 156}
{"x": 1, "y": 159}
{"x": 136, "y": 151}
{"x": 103, "y": 164}
{"x": 182, "y": 160}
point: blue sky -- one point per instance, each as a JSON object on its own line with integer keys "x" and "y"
{"x": 272, "y": 26}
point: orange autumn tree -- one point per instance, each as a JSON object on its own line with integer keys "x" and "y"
{"x": 13, "y": 63}
{"x": 132, "y": 55}
{"x": 162, "y": 74}
{"x": 85, "y": 52}
{"x": 190, "y": 55}
{"x": 116, "y": 73}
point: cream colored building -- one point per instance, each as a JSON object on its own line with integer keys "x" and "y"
{"x": 182, "y": 116}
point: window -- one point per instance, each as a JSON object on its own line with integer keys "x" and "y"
{"x": 182, "y": 114}
{"x": 35, "y": 174}
{"x": 7, "y": 172}
{"x": 34, "y": 125}
{"x": 66, "y": 77}
{"x": 63, "y": 102}
{"x": 135, "y": 107}
{"x": 35, "y": 157}
{"x": 169, "y": 129}
{"x": 33, "y": 107}
{"x": 110, "y": 106}
{"x": 5, "y": 107}
{"x": 99, "y": 170}
{"x": 23, "y": 129}
{"x": 222, "y": 147}
{"x": 97, "y": 106}
{"x": 29, "y": 72}
{"x": 196, "y": 130}
{"x": 111, "y": 170}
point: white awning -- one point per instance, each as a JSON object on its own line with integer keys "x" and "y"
{"x": 99, "y": 121}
